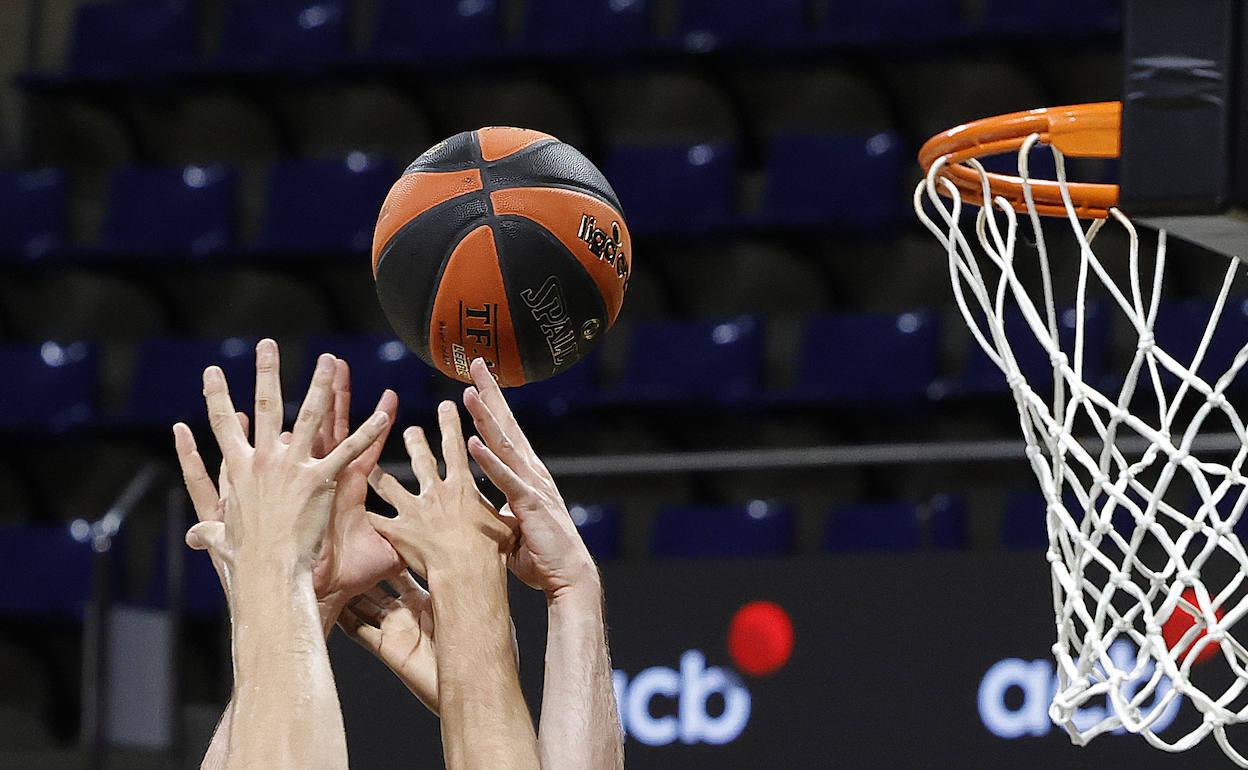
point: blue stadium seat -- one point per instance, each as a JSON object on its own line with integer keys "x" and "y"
{"x": 889, "y": 526}
{"x": 844, "y": 180}
{"x": 170, "y": 211}
{"x": 867, "y": 359}
{"x": 167, "y": 385}
{"x": 455, "y": 29}
{"x": 1071, "y": 17}
{"x": 284, "y": 34}
{"x": 599, "y": 526}
{"x": 1181, "y": 324}
{"x": 980, "y": 376}
{"x": 675, "y": 188}
{"x": 586, "y": 26}
{"x": 133, "y": 38}
{"x": 558, "y": 396}
{"x": 32, "y": 213}
{"x": 202, "y": 594}
{"x": 681, "y": 362}
{"x": 757, "y": 528}
{"x": 1023, "y": 525}
{"x": 707, "y": 25}
{"x": 889, "y": 21}
{"x": 45, "y": 572}
{"x": 325, "y": 206}
{"x": 945, "y": 519}
{"x": 50, "y": 385}
{"x": 377, "y": 362}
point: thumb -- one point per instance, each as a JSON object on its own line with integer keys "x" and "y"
{"x": 207, "y": 536}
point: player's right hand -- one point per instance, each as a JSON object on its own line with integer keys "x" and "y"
{"x": 550, "y": 555}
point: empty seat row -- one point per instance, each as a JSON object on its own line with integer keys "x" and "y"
{"x": 876, "y": 360}
{"x": 322, "y": 206}
{"x": 142, "y": 37}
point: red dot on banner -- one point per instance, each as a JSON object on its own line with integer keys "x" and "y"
{"x": 760, "y": 638}
{"x": 1178, "y": 624}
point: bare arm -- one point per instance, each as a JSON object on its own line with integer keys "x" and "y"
{"x": 580, "y": 727}
{"x": 450, "y": 534}
{"x": 284, "y": 711}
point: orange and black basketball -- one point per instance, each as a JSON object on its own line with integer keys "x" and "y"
{"x": 504, "y": 244}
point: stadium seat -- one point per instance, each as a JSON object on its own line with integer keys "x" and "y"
{"x": 325, "y": 206}
{"x": 45, "y": 572}
{"x": 284, "y": 34}
{"x": 1181, "y": 324}
{"x": 586, "y": 26}
{"x": 50, "y": 385}
{"x": 328, "y": 121}
{"x": 377, "y": 362}
{"x": 209, "y": 128}
{"x": 168, "y": 382}
{"x": 1023, "y": 525}
{"x": 524, "y": 101}
{"x": 867, "y": 359}
{"x": 560, "y": 396}
{"x": 599, "y": 526}
{"x": 1069, "y": 17}
{"x": 757, "y": 528}
{"x": 889, "y": 21}
{"x": 751, "y": 276}
{"x": 202, "y": 595}
{"x": 662, "y": 108}
{"x": 945, "y": 519}
{"x": 688, "y": 362}
{"x": 674, "y": 188}
{"x": 132, "y": 38}
{"x": 888, "y": 526}
{"x": 33, "y": 217}
{"x": 846, "y": 180}
{"x": 404, "y": 31}
{"x": 707, "y": 25}
{"x": 813, "y": 99}
{"x": 170, "y": 211}
{"x": 980, "y": 376}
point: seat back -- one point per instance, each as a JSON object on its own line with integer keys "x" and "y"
{"x": 187, "y": 211}
{"x": 50, "y": 385}
{"x": 755, "y": 529}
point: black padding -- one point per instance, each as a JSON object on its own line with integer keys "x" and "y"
{"x": 550, "y": 164}
{"x": 454, "y": 154}
{"x": 551, "y": 297}
{"x": 410, "y": 266}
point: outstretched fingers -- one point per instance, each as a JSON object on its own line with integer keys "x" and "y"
{"x": 424, "y": 464}
{"x": 494, "y": 435}
{"x": 388, "y": 404}
{"x": 453, "y": 453}
{"x": 356, "y": 444}
{"x": 492, "y": 395}
{"x": 221, "y": 416}
{"x": 315, "y": 406}
{"x": 498, "y": 472}
{"x": 198, "y": 483}
{"x": 268, "y": 393}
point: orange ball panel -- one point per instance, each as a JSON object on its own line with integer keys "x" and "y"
{"x": 415, "y": 193}
{"x": 500, "y": 141}
{"x": 589, "y": 228}
{"x": 480, "y": 325}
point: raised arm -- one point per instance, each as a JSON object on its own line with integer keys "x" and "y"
{"x": 352, "y": 558}
{"x": 579, "y": 728}
{"x": 284, "y": 710}
{"x": 451, "y": 535}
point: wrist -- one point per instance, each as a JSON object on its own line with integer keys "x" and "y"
{"x": 581, "y": 596}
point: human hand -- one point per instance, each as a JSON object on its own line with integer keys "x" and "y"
{"x": 449, "y": 524}
{"x": 353, "y": 557}
{"x": 399, "y": 631}
{"x": 208, "y": 502}
{"x": 550, "y": 554}
{"x": 279, "y": 493}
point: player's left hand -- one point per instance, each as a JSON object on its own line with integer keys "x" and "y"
{"x": 550, "y": 555}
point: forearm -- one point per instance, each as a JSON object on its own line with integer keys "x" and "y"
{"x": 580, "y": 725}
{"x": 485, "y": 722}
{"x": 285, "y": 711}
{"x": 218, "y": 747}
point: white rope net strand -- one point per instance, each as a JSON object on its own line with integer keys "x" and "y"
{"x": 1141, "y": 543}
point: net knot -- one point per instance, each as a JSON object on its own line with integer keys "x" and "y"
{"x": 1058, "y": 360}
{"x": 1146, "y": 342}
{"x": 1152, "y": 629}
{"x": 1015, "y": 380}
{"x": 1119, "y": 580}
{"x": 1187, "y": 577}
{"x": 1217, "y": 400}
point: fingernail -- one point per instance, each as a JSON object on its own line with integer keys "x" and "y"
{"x": 446, "y": 407}
{"x": 266, "y": 347}
{"x": 471, "y": 389}
{"x": 213, "y": 375}
{"x": 374, "y": 475}
{"x": 474, "y": 442}
{"x": 379, "y": 419}
{"x": 324, "y": 363}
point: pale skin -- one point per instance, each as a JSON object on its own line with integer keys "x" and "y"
{"x": 452, "y": 536}
{"x": 266, "y": 541}
{"x": 579, "y": 725}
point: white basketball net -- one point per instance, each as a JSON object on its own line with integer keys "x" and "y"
{"x": 1113, "y": 582}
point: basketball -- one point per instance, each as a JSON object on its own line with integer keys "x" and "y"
{"x": 504, "y": 244}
